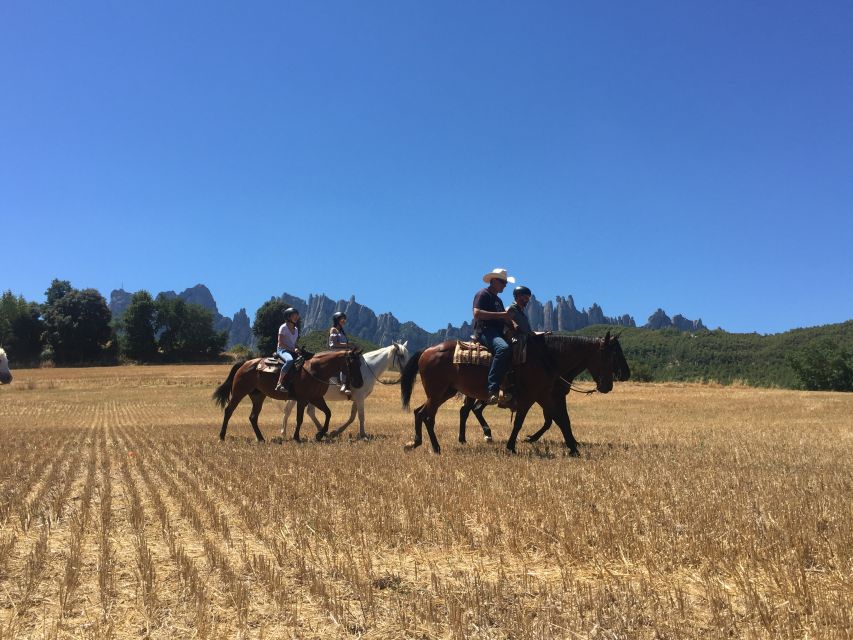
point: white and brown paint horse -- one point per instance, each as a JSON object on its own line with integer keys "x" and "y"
{"x": 5, "y": 373}
{"x": 373, "y": 365}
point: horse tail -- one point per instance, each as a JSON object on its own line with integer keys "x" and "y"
{"x": 407, "y": 378}
{"x": 223, "y": 392}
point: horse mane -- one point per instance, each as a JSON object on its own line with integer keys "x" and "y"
{"x": 562, "y": 344}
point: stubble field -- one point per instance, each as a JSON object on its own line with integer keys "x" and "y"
{"x": 694, "y": 510}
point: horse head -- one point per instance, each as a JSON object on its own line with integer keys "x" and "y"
{"x": 609, "y": 364}
{"x": 401, "y": 354}
{"x": 5, "y": 373}
{"x": 353, "y": 368}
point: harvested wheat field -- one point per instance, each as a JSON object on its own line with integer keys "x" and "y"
{"x": 694, "y": 510}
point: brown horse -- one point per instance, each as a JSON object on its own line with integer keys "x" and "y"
{"x": 561, "y": 391}
{"x": 548, "y": 357}
{"x": 310, "y": 383}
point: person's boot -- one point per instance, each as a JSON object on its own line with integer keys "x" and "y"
{"x": 280, "y": 387}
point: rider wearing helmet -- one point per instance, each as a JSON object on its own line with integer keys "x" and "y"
{"x": 338, "y": 339}
{"x": 288, "y": 334}
{"x": 520, "y": 323}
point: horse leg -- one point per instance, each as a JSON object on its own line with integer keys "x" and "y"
{"x": 322, "y": 406}
{"x": 236, "y": 397}
{"x": 430, "y": 409}
{"x": 300, "y": 414}
{"x": 257, "y": 404}
{"x": 414, "y": 444}
{"x": 464, "y": 412}
{"x": 564, "y": 422}
{"x": 313, "y": 413}
{"x": 362, "y": 434}
{"x": 548, "y": 422}
{"x": 478, "y": 413}
{"x": 288, "y": 409}
{"x": 516, "y": 426}
{"x": 342, "y": 428}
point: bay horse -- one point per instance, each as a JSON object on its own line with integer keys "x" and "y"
{"x": 373, "y": 365}
{"x": 5, "y": 372}
{"x": 309, "y": 385}
{"x": 562, "y": 387}
{"x": 548, "y": 357}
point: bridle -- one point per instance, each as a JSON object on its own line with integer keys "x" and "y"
{"x": 349, "y": 357}
{"x": 398, "y": 360}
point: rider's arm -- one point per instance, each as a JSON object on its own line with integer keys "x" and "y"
{"x": 482, "y": 314}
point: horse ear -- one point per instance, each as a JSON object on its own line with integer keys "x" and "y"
{"x": 607, "y": 339}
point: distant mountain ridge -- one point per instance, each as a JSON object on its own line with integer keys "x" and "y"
{"x": 362, "y": 321}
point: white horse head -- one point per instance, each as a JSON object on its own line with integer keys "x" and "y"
{"x": 5, "y": 374}
{"x": 401, "y": 354}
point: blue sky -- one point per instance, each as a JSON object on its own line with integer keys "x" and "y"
{"x": 691, "y": 156}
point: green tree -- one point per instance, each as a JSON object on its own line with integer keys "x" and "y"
{"x": 186, "y": 331}
{"x": 56, "y": 291}
{"x": 138, "y": 339}
{"x": 268, "y": 319}
{"x": 21, "y": 328}
{"x": 824, "y": 366}
{"x": 77, "y": 326}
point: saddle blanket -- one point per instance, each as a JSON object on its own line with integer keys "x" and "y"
{"x": 475, "y": 353}
{"x": 471, "y": 353}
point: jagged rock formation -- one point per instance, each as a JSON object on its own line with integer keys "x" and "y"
{"x": 659, "y": 320}
{"x": 558, "y": 315}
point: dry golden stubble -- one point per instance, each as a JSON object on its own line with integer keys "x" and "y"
{"x": 693, "y": 510}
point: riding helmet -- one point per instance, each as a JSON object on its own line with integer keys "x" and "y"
{"x": 337, "y": 315}
{"x": 289, "y": 312}
{"x": 521, "y": 291}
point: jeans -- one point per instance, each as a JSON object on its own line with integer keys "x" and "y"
{"x": 501, "y": 357}
{"x": 288, "y": 360}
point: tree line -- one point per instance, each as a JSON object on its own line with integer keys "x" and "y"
{"x": 75, "y": 326}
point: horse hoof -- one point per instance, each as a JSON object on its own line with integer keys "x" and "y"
{"x": 411, "y": 445}
{"x": 488, "y": 439}
{"x": 297, "y": 439}
{"x": 574, "y": 453}
{"x": 462, "y": 441}
{"x": 320, "y": 436}
{"x": 511, "y": 450}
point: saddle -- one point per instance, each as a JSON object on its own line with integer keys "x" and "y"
{"x": 476, "y": 354}
{"x": 273, "y": 363}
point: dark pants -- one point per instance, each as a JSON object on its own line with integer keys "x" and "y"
{"x": 501, "y": 357}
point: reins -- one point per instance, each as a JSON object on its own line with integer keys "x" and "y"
{"x": 377, "y": 378}
{"x": 571, "y": 385}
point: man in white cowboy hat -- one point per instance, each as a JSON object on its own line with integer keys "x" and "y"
{"x": 489, "y": 320}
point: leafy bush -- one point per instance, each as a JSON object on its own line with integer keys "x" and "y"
{"x": 824, "y": 366}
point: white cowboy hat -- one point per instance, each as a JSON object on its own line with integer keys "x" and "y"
{"x": 500, "y": 274}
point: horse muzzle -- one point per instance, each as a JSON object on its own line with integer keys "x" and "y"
{"x": 5, "y": 378}
{"x": 604, "y": 386}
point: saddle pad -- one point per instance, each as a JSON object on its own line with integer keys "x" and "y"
{"x": 471, "y": 353}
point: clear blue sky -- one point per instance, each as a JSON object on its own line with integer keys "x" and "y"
{"x": 692, "y": 156}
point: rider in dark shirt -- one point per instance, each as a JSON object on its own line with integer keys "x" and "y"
{"x": 516, "y": 310}
{"x": 489, "y": 321}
